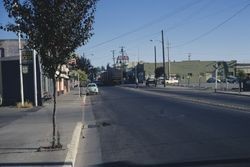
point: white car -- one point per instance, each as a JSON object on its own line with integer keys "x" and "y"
{"x": 92, "y": 89}
{"x": 172, "y": 81}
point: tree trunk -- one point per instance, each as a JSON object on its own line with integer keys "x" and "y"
{"x": 54, "y": 114}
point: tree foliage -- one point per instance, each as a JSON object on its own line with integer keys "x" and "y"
{"x": 83, "y": 64}
{"x": 82, "y": 75}
{"x": 223, "y": 68}
{"x": 241, "y": 74}
{"x": 54, "y": 28}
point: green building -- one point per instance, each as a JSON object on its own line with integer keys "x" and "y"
{"x": 192, "y": 71}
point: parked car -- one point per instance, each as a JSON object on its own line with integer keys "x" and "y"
{"x": 212, "y": 80}
{"x": 232, "y": 79}
{"x": 150, "y": 81}
{"x": 92, "y": 89}
{"x": 160, "y": 80}
{"x": 171, "y": 81}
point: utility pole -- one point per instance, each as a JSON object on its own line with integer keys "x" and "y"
{"x": 155, "y": 58}
{"x": 155, "y": 65}
{"x": 136, "y": 76}
{"x": 35, "y": 77}
{"x": 20, "y": 66}
{"x": 216, "y": 76}
{"x": 163, "y": 56}
{"x": 113, "y": 52}
{"x": 189, "y": 56}
{"x": 122, "y": 62}
{"x": 168, "y": 46}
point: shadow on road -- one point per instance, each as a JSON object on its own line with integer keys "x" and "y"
{"x": 43, "y": 164}
{"x": 179, "y": 164}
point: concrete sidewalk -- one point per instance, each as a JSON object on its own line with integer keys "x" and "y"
{"x": 21, "y": 138}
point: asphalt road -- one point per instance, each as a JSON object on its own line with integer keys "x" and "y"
{"x": 144, "y": 128}
{"x": 206, "y": 95}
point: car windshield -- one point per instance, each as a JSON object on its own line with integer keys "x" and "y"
{"x": 125, "y": 83}
{"x": 92, "y": 85}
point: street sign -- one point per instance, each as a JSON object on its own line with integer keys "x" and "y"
{"x": 27, "y": 54}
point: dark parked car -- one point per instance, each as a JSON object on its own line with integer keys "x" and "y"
{"x": 150, "y": 81}
{"x": 212, "y": 80}
{"x": 232, "y": 79}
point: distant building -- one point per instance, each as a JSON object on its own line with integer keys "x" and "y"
{"x": 244, "y": 67}
{"x": 191, "y": 71}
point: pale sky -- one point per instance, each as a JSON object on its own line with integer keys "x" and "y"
{"x": 208, "y": 29}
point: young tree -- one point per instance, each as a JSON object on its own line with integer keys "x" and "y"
{"x": 54, "y": 28}
{"x": 79, "y": 74}
{"x": 241, "y": 74}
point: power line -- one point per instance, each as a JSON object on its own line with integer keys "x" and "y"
{"x": 189, "y": 18}
{"x": 200, "y": 36}
{"x": 180, "y": 24}
{"x": 178, "y": 10}
{"x": 214, "y": 28}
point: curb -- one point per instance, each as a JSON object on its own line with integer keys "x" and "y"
{"x": 233, "y": 94}
{"x": 73, "y": 146}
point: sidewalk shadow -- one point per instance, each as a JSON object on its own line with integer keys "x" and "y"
{"x": 8, "y": 150}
